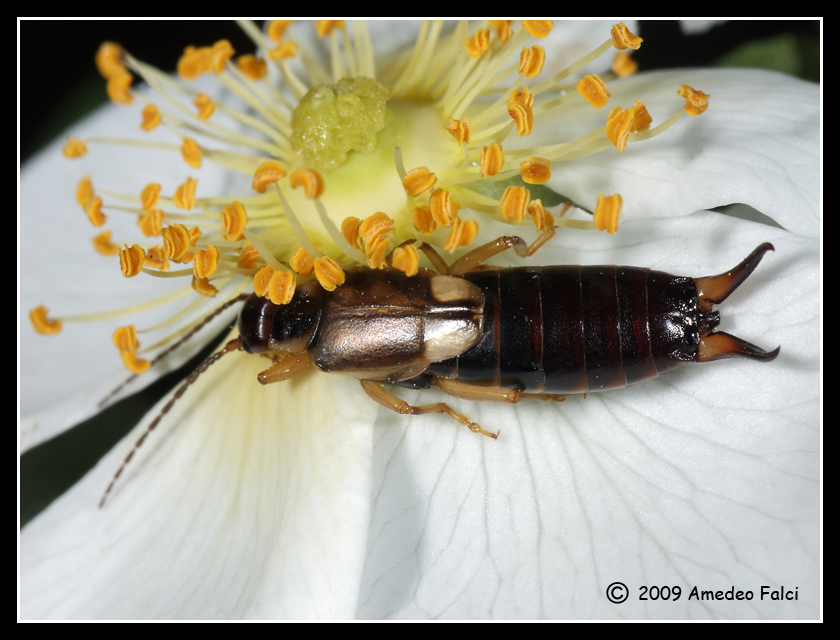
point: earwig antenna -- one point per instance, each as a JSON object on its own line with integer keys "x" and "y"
{"x": 170, "y": 349}
{"x": 233, "y": 345}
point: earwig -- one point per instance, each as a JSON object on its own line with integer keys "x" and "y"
{"x": 491, "y": 334}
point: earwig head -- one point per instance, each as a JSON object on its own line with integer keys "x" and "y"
{"x": 712, "y": 290}
{"x": 265, "y": 326}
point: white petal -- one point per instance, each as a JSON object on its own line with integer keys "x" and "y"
{"x": 247, "y": 501}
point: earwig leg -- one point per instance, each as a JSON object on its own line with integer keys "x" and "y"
{"x": 713, "y": 290}
{"x": 285, "y": 368}
{"x": 719, "y": 345}
{"x": 466, "y": 391}
{"x": 474, "y": 258}
{"x": 388, "y": 400}
{"x": 545, "y": 397}
{"x": 434, "y": 257}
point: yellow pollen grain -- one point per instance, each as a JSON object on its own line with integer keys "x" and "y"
{"x": 478, "y": 43}
{"x": 205, "y": 106}
{"x": 150, "y": 223}
{"x": 151, "y": 118}
{"x": 283, "y": 51}
{"x": 593, "y": 90}
{"x": 460, "y": 130}
{"x": 131, "y": 260}
{"x": 538, "y": 28}
{"x": 419, "y": 181}
{"x": 514, "y": 203}
{"x": 205, "y": 262}
{"x": 118, "y": 87}
{"x": 696, "y": 102}
{"x": 176, "y": 240}
{"x": 253, "y": 67}
{"x": 42, "y": 323}
{"x": 103, "y": 245}
{"x": 350, "y": 230}
{"x": 156, "y": 259}
{"x": 422, "y": 219}
{"x": 542, "y": 217}
{"x": 492, "y": 160}
{"x": 276, "y": 29}
{"x": 523, "y": 116}
{"x": 375, "y": 226}
{"x": 191, "y": 152}
{"x": 84, "y": 192}
{"x": 266, "y": 174}
{"x": 462, "y": 234}
{"x": 125, "y": 338}
{"x": 623, "y": 39}
{"x": 302, "y": 262}
{"x": 623, "y": 65}
{"x": 535, "y": 170}
{"x": 311, "y": 180}
{"x": 203, "y": 286}
{"x": 325, "y": 27}
{"x": 184, "y": 197}
{"x": 375, "y": 250}
{"x": 220, "y": 53}
{"x": 443, "y": 208}
{"x": 109, "y": 59}
{"x": 249, "y": 257}
{"x": 234, "y": 219}
{"x": 503, "y": 29}
{"x": 329, "y": 273}
{"x": 150, "y": 195}
{"x": 607, "y": 212}
{"x": 406, "y": 259}
{"x": 134, "y": 364}
{"x": 74, "y": 148}
{"x": 531, "y": 61}
{"x": 93, "y": 209}
{"x": 193, "y": 62}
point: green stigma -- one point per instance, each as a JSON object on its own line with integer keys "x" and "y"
{"x": 333, "y": 120}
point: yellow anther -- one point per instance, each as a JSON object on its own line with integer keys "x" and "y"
{"x": 267, "y": 173}
{"x": 125, "y": 338}
{"x": 205, "y": 262}
{"x": 302, "y": 262}
{"x": 150, "y": 223}
{"x": 478, "y": 43}
{"x": 43, "y": 324}
{"x": 234, "y": 219}
{"x": 93, "y": 209}
{"x": 262, "y": 282}
{"x": 203, "y": 286}
{"x": 84, "y": 192}
{"x": 542, "y": 216}
{"x": 419, "y": 181}
{"x": 283, "y": 51}
{"x": 102, "y": 243}
{"x": 191, "y": 152}
{"x": 324, "y": 28}
{"x": 118, "y": 87}
{"x": 311, "y": 181}
{"x": 151, "y": 117}
{"x": 249, "y": 257}
{"x": 156, "y": 259}
{"x": 514, "y": 203}
{"x": 150, "y": 195}
{"x": 184, "y": 197}
{"x": 277, "y": 286}
{"x": 621, "y": 123}
{"x": 195, "y": 234}
{"x": 607, "y": 212}
{"x": 406, "y": 259}
{"x": 460, "y": 129}
{"x": 193, "y": 62}
{"x": 623, "y": 65}
{"x": 350, "y": 230}
{"x": 535, "y": 170}
{"x": 252, "y": 66}
{"x": 75, "y": 148}
{"x": 375, "y": 251}
{"x": 376, "y": 226}
{"x": 523, "y": 116}
{"x": 538, "y": 28}
{"x": 492, "y": 160}
{"x": 522, "y": 96}
{"x": 276, "y": 28}
{"x": 329, "y": 274}
{"x": 109, "y": 59}
{"x": 422, "y": 219}
{"x": 443, "y": 208}
{"x": 131, "y": 260}
{"x": 593, "y": 89}
{"x": 204, "y": 105}
{"x": 462, "y": 234}
{"x": 623, "y": 39}
{"x": 531, "y": 61}
{"x": 176, "y": 240}
{"x": 133, "y": 363}
{"x": 502, "y": 28}
{"x": 220, "y": 53}
{"x": 696, "y": 102}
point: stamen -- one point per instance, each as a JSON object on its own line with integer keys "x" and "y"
{"x": 375, "y": 250}
{"x": 109, "y": 59}
{"x": 502, "y": 28}
{"x": 477, "y": 44}
{"x": 419, "y": 181}
{"x": 253, "y": 67}
{"x": 422, "y": 219}
{"x": 84, "y": 192}
{"x": 267, "y": 173}
{"x": 150, "y": 195}
{"x": 302, "y": 262}
{"x": 131, "y": 260}
{"x": 623, "y": 39}
{"x": 93, "y": 209}
{"x": 406, "y": 259}
{"x": 276, "y": 28}
{"x": 249, "y": 258}
{"x": 118, "y": 87}
{"x": 156, "y": 259}
{"x": 205, "y": 262}
{"x": 176, "y": 239}
{"x": 42, "y": 323}
{"x": 514, "y": 203}
{"x": 531, "y": 61}
{"x": 492, "y": 160}
{"x": 462, "y": 234}
{"x": 593, "y": 90}
{"x": 460, "y": 129}
{"x": 538, "y": 28}
{"x": 283, "y": 51}
{"x": 125, "y": 338}
{"x": 375, "y": 226}
{"x": 133, "y": 363}
{"x": 150, "y": 223}
{"x": 350, "y": 230}
{"x": 102, "y": 243}
{"x": 205, "y": 106}
{"x": 696, "y": 102}
{"x": 184, "y": 197}
{"x": 621, "y": 123}
{"x": 523, "y": 116}
{"x": 535, "y": 170}
{"x": 220, "y": 53}
{"x": 328, "y": 273}
{"x": 203, "y": 286}
{"x": 542, "y": 217}
{"x": 311, "y": 181}
{"x": 623, "y": 65}
{"x": 75, "y": 148}
{"x": 151, "y": 117}
{"x": 443, "y": 208}
{"x": 193, "y": 62}
{"x": 234, "y": 220}
{"x": 607, "y": 212}
{"x": 325, "y": 27}
{"x": 191, "y": 152}
{"x": 277, "y": 286}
